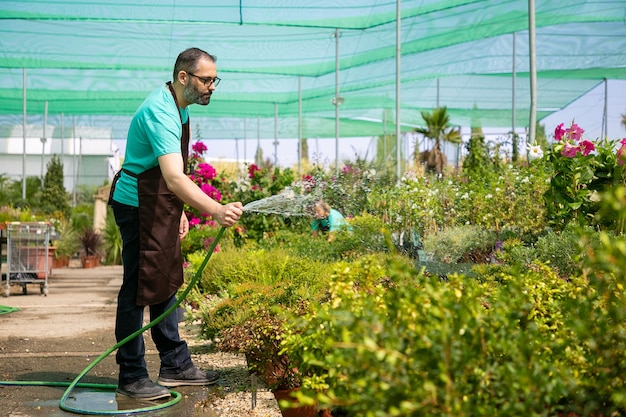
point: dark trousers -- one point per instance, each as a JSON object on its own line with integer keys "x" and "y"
{"x": 173, "y": 352}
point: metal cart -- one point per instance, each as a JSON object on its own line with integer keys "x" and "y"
{"x": 28, "y": 258}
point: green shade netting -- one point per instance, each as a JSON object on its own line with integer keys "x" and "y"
{"x": 97, "y": 60}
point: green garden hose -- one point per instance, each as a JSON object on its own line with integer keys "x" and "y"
{"x": 7, "y": 309}
{"x": 75, "y": 383}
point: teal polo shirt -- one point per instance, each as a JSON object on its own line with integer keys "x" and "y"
{"x": 155, "y": 130}
{"x": 335, "y": 221}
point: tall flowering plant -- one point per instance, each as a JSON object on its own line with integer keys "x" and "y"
{"x": 581, "y": 170}
{"x": 205, "y": 176}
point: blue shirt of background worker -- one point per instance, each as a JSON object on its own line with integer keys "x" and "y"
{"x": 327, "y": 219}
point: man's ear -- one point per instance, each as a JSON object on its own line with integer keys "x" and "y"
{"x": 182, "y": 77}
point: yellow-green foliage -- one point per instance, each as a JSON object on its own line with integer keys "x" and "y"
{"x": 246, "y": 280}
{"x": 505, "y": 345}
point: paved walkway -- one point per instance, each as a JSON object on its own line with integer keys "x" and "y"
{"x": 79, "y": 300}
{"x": 55, "y": 337}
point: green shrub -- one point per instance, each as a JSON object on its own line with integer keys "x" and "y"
{"x": 54, "y": 197}
{"x": 112, "y": 240}
{"x": 429, "y": 348}
{"x": 368, "y": 235}
{"x": 599, "y": 318}
{"x": 201, "y": 237}
{"x": 559, "y": 249}
{"x": 510, "y": 199}
{"x": 67, "y": 243}
{"x": 243, "y": 278}
{"x": 461, "y": 244}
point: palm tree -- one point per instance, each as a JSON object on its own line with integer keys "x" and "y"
{"x": 436, "y": 128}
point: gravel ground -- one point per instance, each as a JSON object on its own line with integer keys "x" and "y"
{"x": 235, "y": 394}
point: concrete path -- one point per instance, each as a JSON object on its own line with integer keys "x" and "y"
{"x": 55, "y": 337}
{"x": 79, "y": 300}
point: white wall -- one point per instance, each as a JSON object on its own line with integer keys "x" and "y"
{"x": 87, "y": 160}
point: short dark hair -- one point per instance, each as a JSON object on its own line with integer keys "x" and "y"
{"x": 188, "y": 60}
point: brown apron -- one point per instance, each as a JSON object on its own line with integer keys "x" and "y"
{"x": 160, "y": 259}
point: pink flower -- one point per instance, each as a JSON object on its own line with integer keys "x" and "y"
{"x": 194, "y": 221}
{"x": 569, "y": 150}
{"x": 206, "y": 171}
{"x": 211, "y": 191}
{"x": 252, "y": 170}
{"x": 586, "y": 147}
{"x": 559, "y": 132}
{"x": 575, "y": 132}
{"x": 621, "y": 153}
{"x": 199, "y": 147}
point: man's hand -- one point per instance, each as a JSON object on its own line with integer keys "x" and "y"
{"x": 229, "y": 214}
{"x": 183, "y": 228}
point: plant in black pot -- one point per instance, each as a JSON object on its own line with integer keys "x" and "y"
{"x": 91, "y": 243}
{"x": 259, "y": 338}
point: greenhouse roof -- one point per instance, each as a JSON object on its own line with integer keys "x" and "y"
{"x": 98, "y": 60}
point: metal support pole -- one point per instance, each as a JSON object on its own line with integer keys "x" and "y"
{"x": 44, "y": 139}
{"x": 337, "y": 101}
{"x": 62, "y": 138}
{"x": 237, "y": 154}
{"x": 533, "y": 71}
{"x": 398, "y": 82}
{"x": 299, "y": 126}
{"x": 605, "y": 125}
{"x": 275, "y": 135}
{"x": 514, "y": 76}
{"x": 257, "y": 160}
{"x": 24, "y": 133}
{"x": 80, "y": 158}
{"x": 245, "y": 134}
{"x": 75, "y": 179}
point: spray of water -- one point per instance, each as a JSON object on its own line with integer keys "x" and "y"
{"x": 287, "y": 203}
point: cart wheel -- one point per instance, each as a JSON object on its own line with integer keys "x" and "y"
{"x": 44, "y": 289}
{"x": 24, "y": 289}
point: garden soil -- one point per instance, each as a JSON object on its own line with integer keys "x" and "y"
{"x": 55, "y": 337}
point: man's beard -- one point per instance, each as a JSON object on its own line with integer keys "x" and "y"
{"x": 194, "y": 96}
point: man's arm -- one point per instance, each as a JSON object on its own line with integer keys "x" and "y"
{"x": 180, "y": 184}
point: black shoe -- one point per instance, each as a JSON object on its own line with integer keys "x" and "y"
{"x": 143, "y": 389}
{"x": 191, "y": 376}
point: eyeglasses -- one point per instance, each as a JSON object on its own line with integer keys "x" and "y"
{"x": 207, "y": 81}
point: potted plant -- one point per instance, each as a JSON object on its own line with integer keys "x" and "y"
{"x": 91, "y": 242}
{"x": 259, "y": 338}
{"x": 66, "y": 244}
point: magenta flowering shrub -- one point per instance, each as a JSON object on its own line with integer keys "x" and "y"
{"x": 581, "y": 170}
{"x": 205, "y": 176}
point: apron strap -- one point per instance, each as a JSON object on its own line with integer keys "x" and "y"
{"x": 169, "y": 85}
{"x": 184, "y": 141}
{"x": 114, "y": 183}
